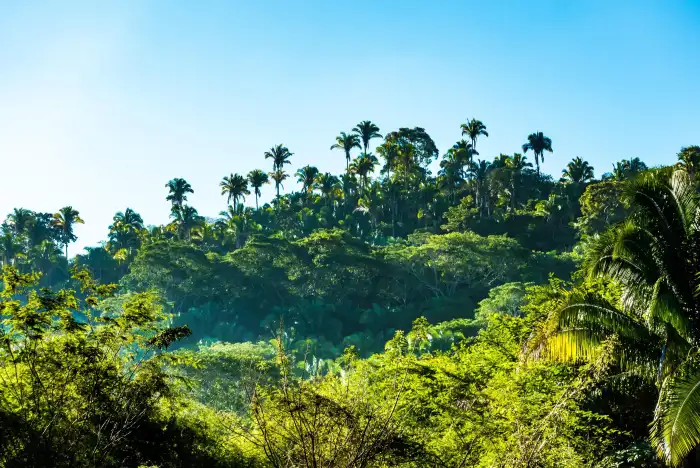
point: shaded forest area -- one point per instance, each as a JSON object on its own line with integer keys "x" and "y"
{"x": 485, "y": 315}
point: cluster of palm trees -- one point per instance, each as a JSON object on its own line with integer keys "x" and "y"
{"x": 31, "y": 240}
{"x": 399, "y": 154}
{"x": 406, "y": 181}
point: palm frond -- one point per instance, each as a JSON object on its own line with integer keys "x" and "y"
{"x": 676, "y": 428}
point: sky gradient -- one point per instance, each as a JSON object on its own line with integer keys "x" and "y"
{"x": 101, "y": 103}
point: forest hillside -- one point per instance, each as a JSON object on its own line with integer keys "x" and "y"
{"x": 424, "y": 308}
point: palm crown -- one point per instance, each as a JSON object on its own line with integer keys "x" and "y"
{"x": 363, "y": 165}
{"x": 538, "y": 143}
{"x": 280, "y": 155}
{"x": 279, "y": 176}
{"x": 346, "y": 142}
{"x": 65, "y": 220}
{"x": 578, "y": 171}
{"x": 367, "y": 130}
{"x": 474, "y": 128}
{"x": 178, "y": 190}
{"x": 235, "y": 187}
{"x": 257, "y": 179}
{"x": 307, "y": 176}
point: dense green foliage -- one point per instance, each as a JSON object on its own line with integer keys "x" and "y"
{"x": 482, "y": 315}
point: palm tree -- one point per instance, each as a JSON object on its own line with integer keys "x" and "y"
{"x": 65, "y": 220}
{"x": 235, "y": 187}
{"x": 278, "y": 176}
{"x": 20, "y": 220}
{"x": 538, "y": 143}
{"x": 124, "y": 231}
{"x": 348, "y": 183}
{"x": 257, "y": 179}
{"x": 473, "y": 128}
{"x": 307, "y": 176}
{"x": 480, "y": 178}
{"x": 578, "y": 171}
{"x": 515, "y": 166}
{"x": 236, "y": 223}
{"x": 327, "y": 184}
{"x": 129, "y": 218}
{"x": 346, "y": 143}
{"x": 464, "y": 153}
{"x": 178, "y": 190}
{"x": 628, "y": 168}
{"x": 656, "y": 325}
{"x": 45, "y": 257}
{"x": 186, "y": 218}
{"x": 280, "y": 156}
{"x": 363, "y": 165}
{"x": 389, "y": 151}
{"x": 451, "y": 172}
{"x": 41, "y": 229}
{"x": 689, "y": 158}
{"x": 366, "y": 130}
{"x": 9, "y": 247}
{"x": 406, "y": 158}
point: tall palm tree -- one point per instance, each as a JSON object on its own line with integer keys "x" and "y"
{"x": 406, "y": 158}
{"x": 474, "y": 128}
{"x": 327, "y": 184}
{"x": 257, "y": 179}
{"x": 65, "y": 220}
{"x": 346, "y": 142}
{"x": 363, "y": 165}
{"x": 451, "y": 173}
{"x": 389, "y": 151}
{"x": 235, "y": 187}
{"x": 307, "y": 176}
{"x": 464, "y": 153}
{"x": 480, "y": 179}
{"x": 124, "y": 231}
{"x": 367, "y": 130}
{"x": 178, "y": 189}
{"x": 280, "y": 155}
{"x": 279, "y": 176}
{"x": 656, "y": 325}
{"x": 20, "y": 220}
{"x": 515, "y": 166}
{"x": 578, "y": 171}
{"x": 538, "y": 143}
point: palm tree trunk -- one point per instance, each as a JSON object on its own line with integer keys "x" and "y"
{"x": 256, "y": 200}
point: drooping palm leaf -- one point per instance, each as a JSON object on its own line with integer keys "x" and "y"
{"x": 676, "y": 428}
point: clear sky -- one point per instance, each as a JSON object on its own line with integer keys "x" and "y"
{"x": 101, "y": 103}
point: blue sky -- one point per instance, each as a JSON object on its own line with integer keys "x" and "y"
{"x": 101, "y": 103}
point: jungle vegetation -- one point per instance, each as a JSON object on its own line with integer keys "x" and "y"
{"x": 421, "y": 309}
